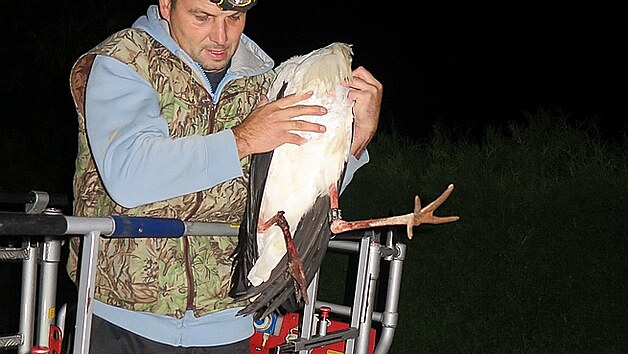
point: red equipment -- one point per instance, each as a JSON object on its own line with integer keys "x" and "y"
{"x": 287, "y": 328}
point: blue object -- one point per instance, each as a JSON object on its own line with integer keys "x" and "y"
{"x": 266, "y": 324}
{"x": 132, "y": 226}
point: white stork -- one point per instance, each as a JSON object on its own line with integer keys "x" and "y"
{"x": 296, "y": 187}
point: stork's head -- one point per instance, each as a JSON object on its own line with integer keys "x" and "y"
{"x": 237, "y": 5}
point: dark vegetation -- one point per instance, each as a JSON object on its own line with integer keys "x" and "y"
{"x": 537, "y": 261}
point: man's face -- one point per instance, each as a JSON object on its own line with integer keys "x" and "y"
{"x": 209, "y": 35}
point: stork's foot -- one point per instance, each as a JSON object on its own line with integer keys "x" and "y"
{"x": 295, "y": 266}
{"x": 416, "y": 218}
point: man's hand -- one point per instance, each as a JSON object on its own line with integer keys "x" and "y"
{"x": 271, "y": 124}
{"x": 367, "y": 92}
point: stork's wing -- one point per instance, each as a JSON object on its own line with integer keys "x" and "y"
{"x": 246, "y": 254}
{"x": 311, "y": 238}
{"x": 277, "y": 294}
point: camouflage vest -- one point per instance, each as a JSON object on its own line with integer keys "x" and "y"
{"x": 165, "y": 276}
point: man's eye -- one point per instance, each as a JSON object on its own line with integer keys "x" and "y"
{"x": 201, "y": 18}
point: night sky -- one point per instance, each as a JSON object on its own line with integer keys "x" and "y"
{"x": 464, "y": 65}
{"x": 470, "y": 63}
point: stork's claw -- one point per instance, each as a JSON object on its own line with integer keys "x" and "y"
{"x": 295, "y": 266}
{"x": 416, "y": 218}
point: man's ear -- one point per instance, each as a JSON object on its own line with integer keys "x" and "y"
{"x": 164, "y": 8}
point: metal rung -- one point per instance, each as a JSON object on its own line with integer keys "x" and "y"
{"x": 11, "y": 341}
{"x": 318, "y": 341}
{"x": 13, "y": 254}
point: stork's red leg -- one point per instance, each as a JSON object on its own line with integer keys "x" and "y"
{"x": 295, "y": 266}
{"x": 419, "y": 216}
{"x": 333, "y": 197}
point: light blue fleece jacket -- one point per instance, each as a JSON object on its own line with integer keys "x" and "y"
{"x": 139, "y": 163}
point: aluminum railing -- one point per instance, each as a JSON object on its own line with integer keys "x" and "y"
{"x": 49, "y": 226}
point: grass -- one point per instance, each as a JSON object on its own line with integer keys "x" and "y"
{"x": 536, "y": 263}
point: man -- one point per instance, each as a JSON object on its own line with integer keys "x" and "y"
{"x": 170, "y": 111}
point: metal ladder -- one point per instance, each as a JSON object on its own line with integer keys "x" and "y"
{"x": 362, "y": 313}
{"x": 40, "y": 257}
{"x": 51, "y": 225}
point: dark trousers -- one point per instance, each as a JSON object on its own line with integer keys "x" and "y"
{"x": 109, "y": 338}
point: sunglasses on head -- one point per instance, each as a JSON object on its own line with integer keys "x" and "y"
{"x": 237, "y": 5}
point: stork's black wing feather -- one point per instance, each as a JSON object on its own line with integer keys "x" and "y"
{"x": 311, "y": 238}
{"x": 246, "y": 253}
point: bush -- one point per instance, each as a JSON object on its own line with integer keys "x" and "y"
{"x": 537, "y": 261}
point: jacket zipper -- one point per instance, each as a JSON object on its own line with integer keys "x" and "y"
{"x": 186, "y": 258}
{"x": 186, "y": 242}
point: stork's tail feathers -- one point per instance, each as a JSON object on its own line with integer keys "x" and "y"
{"x": 276, "y": 294}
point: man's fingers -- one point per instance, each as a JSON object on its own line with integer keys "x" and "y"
{"x": 295, "y": 139}
{"x": 305, "y": 126}
{"x": 290, "y": 100}
{"x": 366, "y": 76}
{"x": 290, "y": 106}
{"x": 364, "y": 80}
{"x": 306, "y": 110}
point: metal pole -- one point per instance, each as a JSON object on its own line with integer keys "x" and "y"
{"x": 309, "y": 311}
{"x": 27, "y": 301}
{"x": 51, "y": 256}
{"x": 390, "y": 316}
{"x": 360, "y": 287}
{"x": 49, "y": 265}
{"x": 307, "y": 322}
{"x": 86, "y": 292}
{"x": 362, "y": 342}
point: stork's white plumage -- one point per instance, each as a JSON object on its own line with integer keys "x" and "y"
{"x": 299, "y": 174}
{"x": 295, "y": 180}
{"x": 295, "y": 187}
